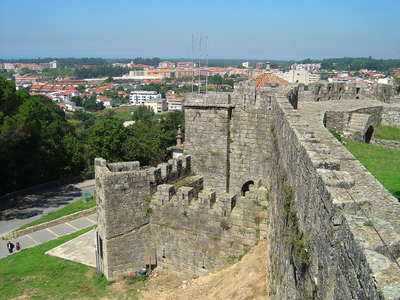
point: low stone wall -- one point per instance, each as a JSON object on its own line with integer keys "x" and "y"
{"x": 386, "y": 143}
{"x": 64, "y": 219}
{"x": 391, "y": 116}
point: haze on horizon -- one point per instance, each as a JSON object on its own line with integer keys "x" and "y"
{"x": 275, "y": 30}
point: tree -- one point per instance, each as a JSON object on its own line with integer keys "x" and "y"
{"x": 109, "y": 79}
{"x": 81, "y": 115}
{"x": 77, "y": 100}
{"x": 169, "y": 127}
{"x": 27, "y": 71}
{"x": 90, "y": 103}
{"x": 144, "y": 143}
{"x": 81, "y": 88}
{"x": 216, "y": 79}
{"x": 142, "y": 112}
{"x": 106, "y": 140}
{"x": 31, "y": 133}
{"x": 108, "y": 114}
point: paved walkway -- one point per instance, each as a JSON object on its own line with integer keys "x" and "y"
{"x": 51, "y": 233}
{"x": 30, "y": 207}
{"x": 80, "y": 250}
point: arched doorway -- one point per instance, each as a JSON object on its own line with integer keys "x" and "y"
{"x": 368, "y": 134}
{"x": 246, "y": 187}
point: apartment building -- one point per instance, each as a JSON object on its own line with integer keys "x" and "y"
{"x": 186, "y": 64}
{"x": 157, "y": 104}
{"x": 139, "y": 97}
{"x": 166, "y": 65}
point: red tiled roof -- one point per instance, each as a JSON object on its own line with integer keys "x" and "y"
{"x": 267, "y": 78}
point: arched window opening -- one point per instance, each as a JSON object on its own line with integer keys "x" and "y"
{"x": 246, "y": 187}
{"x": 368, "y": 134}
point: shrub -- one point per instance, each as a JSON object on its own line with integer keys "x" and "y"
{"x": 148, "y": 210}
{"x": 336, "y": 135}
{"x": 224, "y": 224}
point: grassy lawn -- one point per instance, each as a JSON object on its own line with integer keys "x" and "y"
{"x": 383, "y": 163}
{"x": 387, "y": 133}
{"x": 66, "y": 210}
{"x": 123, "y": 112}
{"x": 41, "y": 276}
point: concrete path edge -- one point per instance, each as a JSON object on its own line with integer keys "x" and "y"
{"x": 77, "y": 215}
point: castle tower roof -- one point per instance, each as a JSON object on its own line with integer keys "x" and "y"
{"x": 267, "y": 78}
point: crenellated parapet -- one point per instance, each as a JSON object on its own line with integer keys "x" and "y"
{"x": 338, "y": 204}
{"x": 123, "y": 192}
{"x": 197, "y": 231}
{"x": 326, "y": 91}
{"x": 262, "y": 165}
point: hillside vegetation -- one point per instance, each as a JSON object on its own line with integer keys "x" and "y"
{"x": 39, "y": 144}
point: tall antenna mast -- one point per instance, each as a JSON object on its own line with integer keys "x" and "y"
{"x": 192, "y": 63}
{"x": 207, "y": 66}
{"x": 199, "y": 62}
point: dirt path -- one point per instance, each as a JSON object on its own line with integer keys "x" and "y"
{"x": 245, "y": 280}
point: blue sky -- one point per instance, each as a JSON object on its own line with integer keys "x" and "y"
{"x": 248, "y": 29}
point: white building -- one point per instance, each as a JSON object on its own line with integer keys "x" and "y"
{"x": 245, "y": 64}
{"x": 157, "y": 104}
{"x": 139, "y": 97}
{"x": 166, "y": 65}
{"x": 107, "y": 102}
{"x": 299, "y": 76}
{"x": 386, "y": 80}
{"x": 175, "y": 104}
{"x": 307, "y": 67}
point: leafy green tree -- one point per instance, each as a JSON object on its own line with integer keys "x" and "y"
{"x": 81, "y": 115}
{"x": 27, "y": 71}
{"x": 169, "y": 127}
{"x": 216, "y": 79}
{"x": 109, "y": 79}
{"x": 142, "y": 112}
{"x": 108, "y": 114}
{"x": 106, "y": 140}
{"x": 9, "y": 99}
{"x": 81, "y": 88}
{"x": 74, "y": 156}
{"x": 144, "y": 143}
{"x": 77, "y": 100}
{"x": 31, "y": 132}
{"x": 90, "y": 103}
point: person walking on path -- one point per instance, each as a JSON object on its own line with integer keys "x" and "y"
{"x": 10, "y": 247}
{"x": 17, "y": 246}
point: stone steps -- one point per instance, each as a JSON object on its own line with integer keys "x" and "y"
{"x": 358, "y": 122}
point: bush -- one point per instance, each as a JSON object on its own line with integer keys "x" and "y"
{"x": 224, "y": 224}
{"x": 336, "y": 135}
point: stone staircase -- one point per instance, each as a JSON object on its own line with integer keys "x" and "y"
{"x": 356, "y": 128}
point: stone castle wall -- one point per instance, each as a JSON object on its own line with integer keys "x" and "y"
{"x": 123, "y": 191}
{"x": 208, "y": 138}
{"x": 342, "y": 91}
{"x": 339, "y": 120}
{"x": 345, "y": 258}
{"x": 189, "y": 231}
{"x": 261, "y": 171}
{"x": 189, "y": 237}
{"x": 391, "y": 117}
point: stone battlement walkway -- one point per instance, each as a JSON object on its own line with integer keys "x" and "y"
{"x": 366, "y": 186}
